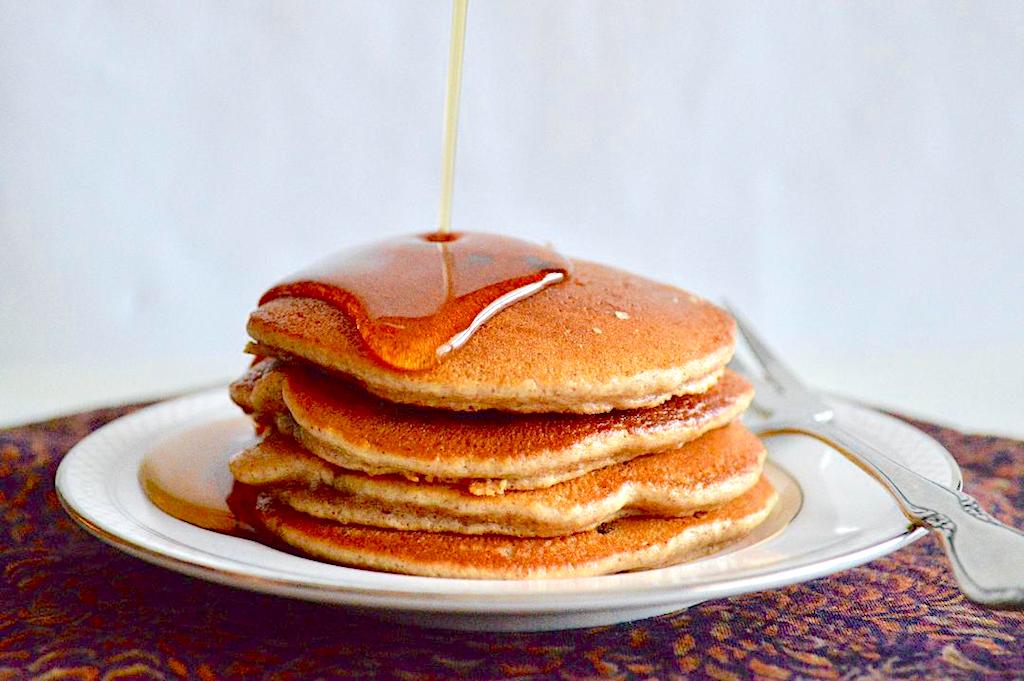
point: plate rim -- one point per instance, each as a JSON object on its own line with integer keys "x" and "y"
{"x": 480, "y": 603}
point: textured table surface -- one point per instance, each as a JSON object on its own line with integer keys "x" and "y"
{"x": 75, "y": 608}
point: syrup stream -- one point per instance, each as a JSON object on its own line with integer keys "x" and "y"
{"x": 456, "y": 47}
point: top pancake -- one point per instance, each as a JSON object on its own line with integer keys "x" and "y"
{"x": 604, "y": 339}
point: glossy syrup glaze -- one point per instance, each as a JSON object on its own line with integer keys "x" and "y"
{"x": 187, "y": 477}
{"x": 417, "y": 298}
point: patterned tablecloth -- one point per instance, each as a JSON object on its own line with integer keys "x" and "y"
{"x": 75, "y": 608}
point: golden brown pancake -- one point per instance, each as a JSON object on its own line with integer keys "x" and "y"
{"x": 604, "y": 339}
{"x": 626, "y": 544}
{"x": 490, "y": 451}
{"x": 707, "y": 472}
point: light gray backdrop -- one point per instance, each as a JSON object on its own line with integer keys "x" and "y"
{"x": 851, "y": 174}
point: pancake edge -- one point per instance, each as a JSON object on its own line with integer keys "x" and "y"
{"x": 697, "y": 537}
{"x": 491, "y": 475}
{"x": 355, "y": 498}
{"x": 644, "y": 389}
{"x": 561, "y": 466}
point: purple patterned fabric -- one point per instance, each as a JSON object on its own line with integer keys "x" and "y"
{"x": 75, "y": 608}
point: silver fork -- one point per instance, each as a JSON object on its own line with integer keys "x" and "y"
{"x": 987, "y": 556}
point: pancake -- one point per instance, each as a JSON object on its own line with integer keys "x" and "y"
{"x": 707, "y": 472}
{"x": 626, "y": 544}
{"x": 489, "y": 451}
{"x": 604, "y": 339}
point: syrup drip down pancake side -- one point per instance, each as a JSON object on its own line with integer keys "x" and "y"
{"x": 489, "y": 451}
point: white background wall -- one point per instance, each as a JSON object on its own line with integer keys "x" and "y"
{"x": 851, "y": 174}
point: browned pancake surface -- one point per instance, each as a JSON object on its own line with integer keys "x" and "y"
{"x": 704, "y": 473}
{"x": 626, "y": 544}
{"x": 605, "y": 339}
{"x": 356, "y": 430}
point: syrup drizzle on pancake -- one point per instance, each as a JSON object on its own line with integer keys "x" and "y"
{"x": 417, "y": 298}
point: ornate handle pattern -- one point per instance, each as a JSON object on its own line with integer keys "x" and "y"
{"x": 987, "y": 556}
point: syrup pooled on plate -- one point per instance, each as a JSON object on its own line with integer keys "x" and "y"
{"x": 414, "y": 299}
{"x": 187, "y": 477}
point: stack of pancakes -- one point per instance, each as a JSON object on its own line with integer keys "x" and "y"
{"x": 590, "y": 428}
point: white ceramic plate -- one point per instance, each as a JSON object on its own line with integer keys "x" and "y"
{"x": 831, "y": 516}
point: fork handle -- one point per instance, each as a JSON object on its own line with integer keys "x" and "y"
{"x": 987, "y": 556}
